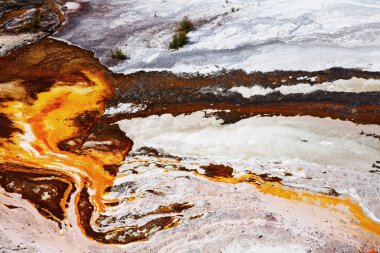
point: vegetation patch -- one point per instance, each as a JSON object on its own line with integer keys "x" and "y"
{"x": 180, "y": 38}
{"x": 118, "y": 54}
{"x": 233, "y": 9}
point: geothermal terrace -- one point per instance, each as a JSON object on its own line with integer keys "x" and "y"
{"x": 261, "y": 134}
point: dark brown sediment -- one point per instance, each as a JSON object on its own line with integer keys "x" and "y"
{"x": 229, "y": 79}
{"x": 7, "y": 127}
{"x": 49, "y": 192}
{"x": 218, "y": 170}
{"x": 361, "y": 114}
{"x": 163, "y": 92}
{"x": 120, "y": 235}
{"x": 47, "y": 61}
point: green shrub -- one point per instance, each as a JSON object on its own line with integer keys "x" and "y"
{"x": 118, "y": 54}
{"x": 179, "y": 40}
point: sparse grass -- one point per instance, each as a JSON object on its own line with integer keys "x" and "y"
{"x": 180, "y": 38}
{"x": 118, "y": 54}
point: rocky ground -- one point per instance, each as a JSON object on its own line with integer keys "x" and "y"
{"x": 24, "y": 22}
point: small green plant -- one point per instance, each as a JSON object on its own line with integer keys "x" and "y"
{"x": 118, "y": 54}
{"x": 180, "y": 38}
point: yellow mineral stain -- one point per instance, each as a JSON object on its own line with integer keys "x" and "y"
{"x": 281, "y": 191}
{"x": 173, "y": 224}
{"x": 130, "y": 199}
{"x": 49, "y": 120}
